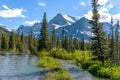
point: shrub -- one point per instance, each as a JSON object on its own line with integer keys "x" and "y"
{"x": 104, "y": 72}
{"x": 48, "y": 63}
{"x": 94, "y": 68}
{"x": 60, "y": 75}
{"x": 61, "y": 54}
{"x": 43, "y": 53}
{"x": 82, "y": 56}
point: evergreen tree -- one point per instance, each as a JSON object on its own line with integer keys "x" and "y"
{"x": 76, "y": 44}
{"x": 117, "y": 44}
{"x": 66, "y": 43}
{"x": 4, "y": 41}
{"x": 53, "y": 38}
{"x": 18, "y": 43}
{"x": 112, "y": 41}
{"x": 30, "y": 41}
{"x": 22, "y": 43}
{"x": 44, "y": 39}
{"x": 82, "y": 44}
{"x": 58, "y": 43}
{"x": 99, "y": 39}
{"x": 63, "y": 37}
{"x": 70, "y": 45}
{"x": 12, "y": 45}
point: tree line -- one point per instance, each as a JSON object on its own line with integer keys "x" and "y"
{"x": 17, "y": 42}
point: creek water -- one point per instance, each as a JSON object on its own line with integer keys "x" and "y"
{"x": 23, "y": 67}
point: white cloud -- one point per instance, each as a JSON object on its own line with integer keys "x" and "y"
{"x": 82, "y": 3}
{"x": 4, "y": 6}
{"x": 42, "y": 4}
{"x": 102, "y": 2}
{"x": 11, "y": 13}
{"x": 110, "y": 6}
{"x": 31, "y": 22}
{"x": 105, "y": 16}
{"x": 88, "y": 15}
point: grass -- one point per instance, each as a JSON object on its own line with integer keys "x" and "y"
{"x": 82, "y": 56}
{"x": 48, "y": 63}
{"x": 61, "y": 54}
{"x": 44, "y": 53}
{"x": 60, "y": 75}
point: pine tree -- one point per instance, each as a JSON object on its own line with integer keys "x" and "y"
{"x": 30, "y": 41}
{"x": 53, "y": 38}
{"x": 117, "y": 43}
{"x": 4, "y": 41}
{"x": 70, "y": 45}
{"x": 76, "y": 44}
{"x": 99, "y": 39}
{"x": 66, "y": 43}
{"x": 63, "y": 37}
{"x": 12, "y": 45}
{"x": 44, "y": 39}
{"x": 17, "y": 40}
{"x": 82, "y": 44}
{"x": 112, "y": 42}
{"x": 58, "y": 43}
{"x": 22, "y": 44}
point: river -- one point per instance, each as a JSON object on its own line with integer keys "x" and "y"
{"x": 23, "y": 67}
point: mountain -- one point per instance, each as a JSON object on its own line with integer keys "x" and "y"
{"x": 72, "y": 27}
{"x": 61, "y": 20}
{"x": 58, "y": 21}
{"x": 26, "y": 29}
{"x": 80, "y": 28}
{"x": 5, "y": 29}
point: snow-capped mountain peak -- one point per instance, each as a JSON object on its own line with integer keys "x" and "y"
{"x": 62, "y": 19}
{"x": 67, "y": 17}
{"x": 5, "y": 28}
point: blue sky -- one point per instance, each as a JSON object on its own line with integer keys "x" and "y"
{"x": 17, "y": 12}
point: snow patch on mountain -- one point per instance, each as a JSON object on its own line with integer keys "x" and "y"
{"x": 6, "y": 28}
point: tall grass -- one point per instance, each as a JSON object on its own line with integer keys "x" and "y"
{"x": 48, "y": 63}
{"x": 60, "y": 75}
{"x": 61, "y": 54}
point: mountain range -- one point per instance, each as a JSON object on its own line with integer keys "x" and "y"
{"x": 72, "y": 27}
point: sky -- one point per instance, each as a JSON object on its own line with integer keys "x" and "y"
{"x": 27, "y": 12}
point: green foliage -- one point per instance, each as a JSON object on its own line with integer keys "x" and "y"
{"x": 12, "y": 41}
{"x": 48, "y": 63}
{"x": 44, "y": 53}
{"x": 60, "y": 75}
{"x": 61, "y": 54}
{"x": 99, "y": 39}
{"x": 44, "y": 39}
{"x": 82, "y": 44}
{"x": 76, "y": 44}
{"x": 54, "y": 37}
{"x": 82, "y": 56}
{"x": 94, "y": 68}
{"x": 4, "y": 41}
{"x": 106, "y": 71}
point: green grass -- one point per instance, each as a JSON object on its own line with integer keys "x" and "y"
{"x": 44, "y": 53}
{"x": 48, "y": 63}
{"x": 61, "y": 54}
{"x": 60, "y": 75}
